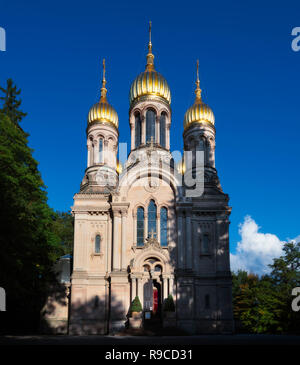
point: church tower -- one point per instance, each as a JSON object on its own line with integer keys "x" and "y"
{"x": 102, "y": 142}
{"x": 203, "y": 271}
{"x": 92, "y": 221}
{"x": 150, "y": 112}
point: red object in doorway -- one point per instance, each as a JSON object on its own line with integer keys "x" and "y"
{"x": 155, "y": 300}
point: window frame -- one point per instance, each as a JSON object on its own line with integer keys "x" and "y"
{"x": 150, "y": 125}
{"x": 138, "y": 220}
{"x": 154, "y": 212}
{"x": 162, "y": 129}
{"x": 101, "y": 152}
{"x": 166, "y": 243}
{"x": 137, "y": 130}
{"x": 96, "y": 252}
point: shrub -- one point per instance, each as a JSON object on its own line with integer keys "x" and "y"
{"x": 136, "y": 305}
{"x": 169, "y": 305}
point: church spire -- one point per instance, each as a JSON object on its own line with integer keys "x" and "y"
{"x": 103, "y": 88}
{"x": 198, "y": 90}
{"x": 150, "y": 56}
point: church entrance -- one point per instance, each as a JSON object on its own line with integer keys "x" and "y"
{"x": 152, "y": 299}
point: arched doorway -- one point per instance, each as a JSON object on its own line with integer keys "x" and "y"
{"x": 152, "y": 298}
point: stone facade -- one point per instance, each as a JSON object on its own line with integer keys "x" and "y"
{"x": 192, "y": 266}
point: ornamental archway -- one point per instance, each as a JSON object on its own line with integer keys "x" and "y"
{"x": 153, "y": 286}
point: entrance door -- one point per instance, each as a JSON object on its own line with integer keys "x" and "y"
{"x": 148, "y": 295}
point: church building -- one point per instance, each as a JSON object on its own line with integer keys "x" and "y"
{"x": 155, "y": 225}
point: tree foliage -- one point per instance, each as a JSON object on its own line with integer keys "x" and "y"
{"x": 63, "y": 227}
{"x": 10, "y": 103}
{"x": 30, "y": 235}
{"x": 263, "y": 304}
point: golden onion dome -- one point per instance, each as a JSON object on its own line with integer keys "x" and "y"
{"x": 199, "y": 112}
{"x": 103, "y": 111}
{"x": 150, "y": 82}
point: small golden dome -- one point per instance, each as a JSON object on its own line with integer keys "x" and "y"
{"x": 150, "y": 82}
{"x": 103, "y": 111}
{"x": 199, "y": 112}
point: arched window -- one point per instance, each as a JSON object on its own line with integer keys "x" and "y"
{"x": 97, "y": 243}
{"x": 150, "y": 125}
{"x": 101, "y": 156}
{"x": 163, "y": 130}
{"x": 146, "y": 268}
{"x": 205, "y": 244}
{"x": 137, "y": 127}
{"x": 158, "y": 268}
{"x": 140, "y": 227}
{"x": 164, "y": 227}
{"x": 151, "y": 218}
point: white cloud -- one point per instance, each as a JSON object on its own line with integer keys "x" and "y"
{"x": 255, "y": 250}
{"x": 296, "y": 239}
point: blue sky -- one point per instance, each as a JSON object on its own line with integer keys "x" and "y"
{"x": 249, "y": 76}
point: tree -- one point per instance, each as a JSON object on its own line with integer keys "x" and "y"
{"x": 28, "y": 242}
{"x": 254, "y": 304}
{"x": 263, "y": 304}
{"x": 10, "y": 103}
{"x": 63, "y": 226}
{"x": 285, "y": 276}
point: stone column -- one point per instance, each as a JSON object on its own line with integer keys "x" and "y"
{"x": 133, "y": 287}
{"x": 220, "y": 243}
{"x": 196, "y": 243}
{"x": 134, "y": 230}
{"x": 106, "y": 153}
{"x": 116, "y": 246}
{"x": 213, "y": 145}
{"x": 171, "y": 287}
{"x": 157, "y": 129}
{"x": 132, "y": 136}
{"x": 180, "y": 240}
{"x": 123, "y": 241}
{"x": 95, "y": 152}
{"x": 140, "y": 290}
{"x": 165, "y": 287}
{"x": 168, "y": 136}
{"x": 158, "y": 227}
{"x": 108, "y": 240}
{"x": 145, "y": 224}
{"x": 143, "y": 136}
{"x": 92, "y": 155}
{"x": 189, "y": 249}
{"x": 88, "y": 155}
